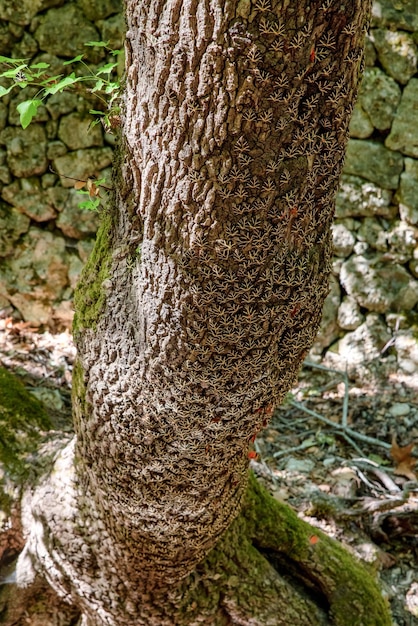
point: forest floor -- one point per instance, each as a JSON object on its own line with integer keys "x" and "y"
{"x": 339, "y": 451}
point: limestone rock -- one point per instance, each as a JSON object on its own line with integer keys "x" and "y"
{"x": 28, "y": 197}
{"x": 365, "y": 343}
{"x": 329, "y": 330}
{"x": 76, "y": 131}
{"x": 26, "y": 150}
{"x": 113, "y": 31}
{"x": 413, "y": 263}
{"x": 64, "y": 32}
{"x": 373, "y": 234}
{"x": 61, "y": 104}
{"x": 99, "y": 9}
{"x": 407, "y": 194}
{"x": 404, "y": 134}
{"x": 372, "y": 161}
{"x": 378, "y": 286}
{"x": 82, "y": 164}
{"x": 343, "y": 240}
{"x": 401, "y": 15}
{"x": 360, "y": 124}
{"x": 403, "y": 240}
{"x": 359, "y": 198}
{"x": 396, "y": 52}
{"x": 349, "y": 315}
{"x": 37, "y": 275}
{"x": 75, "y": 222}
{"x": 12, "y": 225}
{"x": 379, "y": 97}
{"x": 406, "y": 346}
{"x": 23, "y": 11}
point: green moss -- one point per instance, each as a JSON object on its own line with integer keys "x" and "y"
{"x": 353, "y": 594}
{"x": 23, "y": 422}
{"x": 80, "y": 407}
{"x": 90, "y": 294}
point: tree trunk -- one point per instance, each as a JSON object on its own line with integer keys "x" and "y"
{"x": 193, "y": 315}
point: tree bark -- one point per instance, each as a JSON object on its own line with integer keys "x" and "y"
{"x": 195, "y": 311}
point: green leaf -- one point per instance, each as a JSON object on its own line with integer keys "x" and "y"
{"x": 98, "y": 86}
{"x": 62, "y": 84}
{"x": 12, "y": 73}
{"x": 39, "y": 66}
{"x": 90, "y": 205}
{"x": 106, "y": 69}
{"x": 99, "y": 44}
{"x": 27, "y": 110}
{"x": 75, "y": 60}
{"x": 9, "y": 60}
{"x": 4, "y": 91}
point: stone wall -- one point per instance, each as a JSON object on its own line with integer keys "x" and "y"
{"x": 45, "y": 238}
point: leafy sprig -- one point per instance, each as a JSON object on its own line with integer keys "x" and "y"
{"x": 22, "y": 73}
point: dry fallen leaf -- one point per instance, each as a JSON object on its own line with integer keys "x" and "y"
{"x": 405, "y": 463}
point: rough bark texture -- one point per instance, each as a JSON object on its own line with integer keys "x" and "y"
{"x": 234, "y": 131}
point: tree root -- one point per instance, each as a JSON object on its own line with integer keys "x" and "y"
{"x": 350, "y": 589}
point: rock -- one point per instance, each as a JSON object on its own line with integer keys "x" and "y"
{"x": 393, "y": 14}
{"x": 68, "y": 19}
{"x": 84, "y": 249}
{"x": 113, "y": 31}
{"x": 37, "y": 275}
{"x": 365, "y": 343}
{"x": 75, "y": 222}
{"x": 75, "y": 267}
{"x": 404, "y": 135}
{"x": 61, "y": 104}
{"x": 407, "y": 194}
{"x": 12, "y": 225}
{"x": 76, "y": 131}
{"x": 82, "y": 164}
{"x": 26, "y": 150}
{"x": 63, "y": 315}
{"x": 343, "y": 240}
{"x": 399, "y": 409}
{"x": 372, "y": 233}
{"x": 3, "y": 115}
{"x": 27, "y": 195}
{"x": 26, "y": 48}
{"x": 406, "y": 346}
{"x": 359, "y": 198}
{"x": 372, "y": 161}
{"x": 6, "y": 37}
{"x": 304, "y": 466}
{"x": 379, "y": 286}
{"x": 56, "y": 149}
{"x": 23, "y": 11}
{"x": 99, "y": 9}
{"x": 396, "y": 52}
{"x": 379, "y": 97}
{"x": 360, "y": 124}
{"x": 413, "y": 263}
{"x": 349, "y": 314}
{"x": 369, "y": 52}
{"x": 329, "y": 330}
{"x": 403, "y": 240}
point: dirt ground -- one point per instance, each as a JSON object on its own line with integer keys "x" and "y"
{"x": 339, "y": 451}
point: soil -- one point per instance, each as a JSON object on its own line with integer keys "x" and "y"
{"x": 339, "y": 451}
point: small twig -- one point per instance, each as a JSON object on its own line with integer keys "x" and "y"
{"x": 345, "y": 401}
{"x": 352, "y": 443}
{"x": 305, "y": 444}
{"x": 348, "y": 431}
